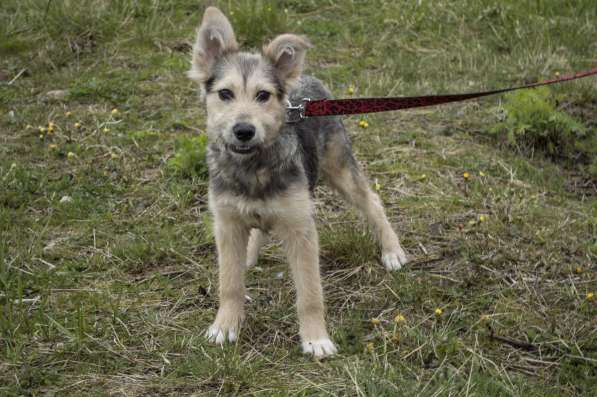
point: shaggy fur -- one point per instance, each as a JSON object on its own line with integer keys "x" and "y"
{"x": 263, "y": 170}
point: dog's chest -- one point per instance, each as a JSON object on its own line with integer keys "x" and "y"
{"x": 259, "y": 214}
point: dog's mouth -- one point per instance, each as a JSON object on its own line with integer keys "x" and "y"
{"x": 242, "y": 149}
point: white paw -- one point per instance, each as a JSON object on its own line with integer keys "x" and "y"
{"x": 220, "y": 335}
{"x": 394, "y": 260}
{"x": 319, "y": 348}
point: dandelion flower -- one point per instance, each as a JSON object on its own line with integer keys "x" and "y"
{"x": 590, "y": 296}
{"x": 466, "y": 175}
{"x": 350, "y": 89}
{"x": 376, "y": 185}
{"x": 363, "y": 124}
{"x": 482, "y": 218}
{"x": 578, "y": 270}
{"x": 115, "y": 111}
{"x": 77, "y": 125}
{"x": 399, "y": 319}
{"x": 438, "y": 311}
{"x": 42, "y": 129}
{"x": 71, "y": 155}
{"x": 52, "y": 146}
{"x": 105, "y": 130}
{"x": 375, "y": 321}
{"x": 68, "y": 114}
{"x": 113, "y": 155}
{"x": 481, "y": 173}
{"x": 557, "y": 74}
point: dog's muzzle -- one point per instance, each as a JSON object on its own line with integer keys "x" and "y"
{"x": 242, "y": 149}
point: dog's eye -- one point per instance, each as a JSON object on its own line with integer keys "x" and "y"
{"x": 262, "y": 96}
{"x": 225, "y": 94}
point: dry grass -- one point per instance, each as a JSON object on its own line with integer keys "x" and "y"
{"x": 108, "y": 291}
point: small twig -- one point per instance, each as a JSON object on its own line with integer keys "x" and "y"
{"x": 512, "y": 342}
{"x": 17, "y": 76}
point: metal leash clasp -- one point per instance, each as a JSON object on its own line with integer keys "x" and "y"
{"x": 295, "y": 114}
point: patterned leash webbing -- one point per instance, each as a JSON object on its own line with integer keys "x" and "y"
{"x": 333, "y": 107}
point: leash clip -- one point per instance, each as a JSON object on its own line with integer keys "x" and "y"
{"x": 295, "y": 114}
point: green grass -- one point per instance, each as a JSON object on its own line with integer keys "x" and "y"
{"x": 107, "y": 259}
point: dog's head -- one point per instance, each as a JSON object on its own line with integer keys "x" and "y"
{"x": 245, "y": 93}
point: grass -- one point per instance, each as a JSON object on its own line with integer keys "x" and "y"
{"x": 107, "y": 275}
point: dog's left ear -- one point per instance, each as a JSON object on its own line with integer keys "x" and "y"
{"x": 287, "y": 53}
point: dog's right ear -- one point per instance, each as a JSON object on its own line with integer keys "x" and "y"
{"x": 215, "y": 37}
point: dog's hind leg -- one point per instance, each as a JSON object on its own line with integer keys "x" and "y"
{"x": 256, "y": 240}
{"x": 231, "y": 240}
{"x": 343, "y": 173}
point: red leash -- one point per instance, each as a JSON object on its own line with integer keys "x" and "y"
{"x": 335, "y": 107}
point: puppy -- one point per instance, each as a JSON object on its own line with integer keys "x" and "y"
{"x": 262, "y": 171}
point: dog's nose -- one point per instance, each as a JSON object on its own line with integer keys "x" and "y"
{"x": 244, "y": 131}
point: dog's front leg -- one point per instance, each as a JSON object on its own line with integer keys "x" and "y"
{"x": 302, "y": 248}
{"x": 231, "y": 242}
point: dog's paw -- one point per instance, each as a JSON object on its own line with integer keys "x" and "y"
{"x": 319, "y": 348}
{"x": 395, "y": 259}
{"x": 220, "y": 334}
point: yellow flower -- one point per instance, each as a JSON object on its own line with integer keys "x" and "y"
{"x": 77, "y": 125}
{"x": 68, "y": 114}
{"x": 42, "y": 129}
{"x": 106, "y": 130}
{"x": 52, "y": 146}
{"x": 557, "y": 74}
{"x": 589, "y": 296}
{"x": 115, "y": 112}
{"x": 113, "y": 155}
{"x": 579, "y": 270}
{"x": 482, "y": 218}
{"x": 370, "y": 347}
{"x": 376, "y": 185}
{"x": 350, "y": 89}
{"x": 41, "y": 136}
{"x": 423, "y": 176}
{"x": 481, "y": 173}
{"x": 466, "y": 175}
{"x": 71, "y": 155}
{"x": 399, "y": 319}
{"x": 438, "y": 311}
{"x": 363, "y": 123}
{"x": 51, "y": 127}
{"x": 375, "y": 321}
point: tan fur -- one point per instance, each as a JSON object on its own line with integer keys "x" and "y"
{"x": 353, "y": 185}
{"x": 289, "y": 218}
{"x": 287, "y": 52}
{"x": 256, "y": 240}
{"x": 243, "y": 219}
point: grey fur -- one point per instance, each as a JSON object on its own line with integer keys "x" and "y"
{"x": 294, "y": 158}
{"x": 246, "y": 63}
